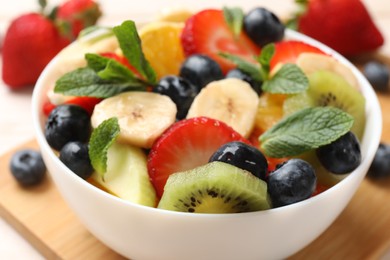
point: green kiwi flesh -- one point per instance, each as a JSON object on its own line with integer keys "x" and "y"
{"x": 215, "y": 187}
{"x": 330, "y": 89}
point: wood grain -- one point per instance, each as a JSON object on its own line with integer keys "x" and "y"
{"x": 43, "y": 218}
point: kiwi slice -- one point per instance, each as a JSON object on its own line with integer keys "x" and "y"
{"x": 215, "y": 187}
{"x": 330, "y": 89}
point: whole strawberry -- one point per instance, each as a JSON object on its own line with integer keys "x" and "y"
{"x": 344, "y": 25}
{"x": 30, "y": 42}
{"x": 75, "y": 15}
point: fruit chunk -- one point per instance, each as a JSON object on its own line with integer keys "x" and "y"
{"x": 162, "y": 48}
{"x": 263, "y": 26}
{"x": 289, "y": 51}
{"x": 231, "y": 101}
{"x": 341, "y": 156}
{"x": 207, "y": 33}
{"x": 27, "y": 167}
{"x": 312, "y": 62}
{"x": 142, "y": 116}
{"x": 127, "y": 176}
{"x": 345, "y": 26}
{"x": 216, "y": 187}
{"x": 185, "y": 145}
{"x": 243, "y": 156}
{"x": 269, "y": 111}
{"x": 291, "y": 182}
{"x": 329, "y": 89}
{"x": 67, "y": 123}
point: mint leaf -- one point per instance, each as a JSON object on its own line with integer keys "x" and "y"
{"x": 112, "y": 70}
{"x": 289, "y": 79}
{"x": 265, "y": 57}
{"x": 245, "y": 66}
{"x": 305, "y": 130}
{"x": 101, "y": 139}
{"x": 86, "y": 82}
{"x": 130, "y": 44}
{"x": 234, "y": 17}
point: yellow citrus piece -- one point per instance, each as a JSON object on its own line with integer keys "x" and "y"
{"x": 174, "y": 14}
{"x": 269, "y": 112}
{"x": 162, "y": 47}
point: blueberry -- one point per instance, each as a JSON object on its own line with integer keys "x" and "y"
{"x": 380, "y": 166}
{"x": 75, "y": 156}
{"x": 239, "y": 74}
{"x": 378, "y": 75}
{"x": 242, "y": 156}
{"x": 341, "y": 156}
{"x": 294, "y": 180}
{"x": 67, "y": 123}
{"x": 27, "y": 167}
{"x": 181, "y": 91}
{"x": 200, "y": 70}
{"x": 263, "y": 26}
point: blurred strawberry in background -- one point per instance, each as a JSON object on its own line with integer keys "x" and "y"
{"x": 33, "y": 39}
{"x": 344, "y": 25}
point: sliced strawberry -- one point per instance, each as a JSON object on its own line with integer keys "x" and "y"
{"x": 185, "y": 145}
{"x": 289, "y": 51}
{"x": 207, "y": 33}
{"x": 88, "y": 103}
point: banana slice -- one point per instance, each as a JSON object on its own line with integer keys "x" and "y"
{"x": 312, "y": 62}
{"x": 127, "y": 175}
{"x": 231, "y": 101}
{"x": 142, "y": 116}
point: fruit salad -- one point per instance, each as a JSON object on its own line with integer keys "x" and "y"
{"x": 215, "y": 111}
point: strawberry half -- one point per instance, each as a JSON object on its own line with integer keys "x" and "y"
{"x": 207, "y": 33}
{"x": 344, "y": 25}
{"x": 289, "y": 51}
{"x": 185, "y": 145}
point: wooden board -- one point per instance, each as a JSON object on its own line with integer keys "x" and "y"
{"x": 43, "y": 218}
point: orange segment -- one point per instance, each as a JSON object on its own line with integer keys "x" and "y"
{"x": 162, "y": 47}
{"x": 270, "y": 111}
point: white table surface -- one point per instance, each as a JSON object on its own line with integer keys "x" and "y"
{"x": 16, "y": 126}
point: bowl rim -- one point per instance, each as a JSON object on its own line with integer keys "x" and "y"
{"x": 373, "y": 111}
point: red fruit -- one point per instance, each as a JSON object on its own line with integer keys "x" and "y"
{"x": 344, "y": 25}
{"x": 31, "y": 41}
{"x": 185, "y": 145}
{"x": 75, "y": 15}
{"x": 289, "y": 51}
{"x": 88, "y": 103}
{"x": 207, "y": 33}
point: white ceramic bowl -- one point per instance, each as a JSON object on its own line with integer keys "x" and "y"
{"x": 139, "y": 232}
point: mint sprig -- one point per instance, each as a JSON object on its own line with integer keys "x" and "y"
{"x": 101, "y": 139}
{"x": 105, "y": 77}
{"x": 234, "y": 18}
{"x": 305, "y": 130}
{"x": 289, "y": 79}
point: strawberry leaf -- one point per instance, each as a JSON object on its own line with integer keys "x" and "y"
{"x": 101, "y": 139}
{"x": 305, "y": 130}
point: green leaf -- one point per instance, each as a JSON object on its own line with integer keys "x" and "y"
{"x": 247, "y": 67}
{"x": 101, "y": 139}
{"x": 130, "y": 44}
{"x": 289, "y": 79}
{"x": 86, "y": 82}
{"x": 265, "y": 57}
{"x": 111, "y": 70}
{"x": 234, "y": 18}
{"x": 104, "y": 32}
{"x": 305, "y": 130}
